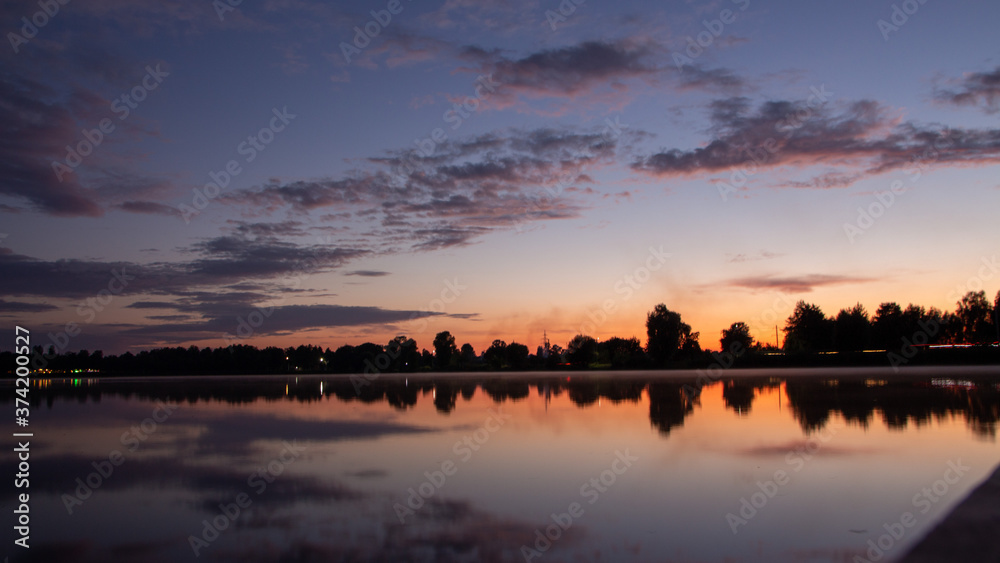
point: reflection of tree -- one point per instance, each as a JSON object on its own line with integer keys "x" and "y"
{"x": 899, "y": 403}
{"x": 501, "y": 390}
{"x": 814, "y": 402}
{"x": 583, "y": 392}
{"x": 738, "y": 396}
{"x": 668, "y": 405}
{"x": 445, "y": 395}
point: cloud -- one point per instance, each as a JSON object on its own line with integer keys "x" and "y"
{"x": 21, "y": 307}
{"x": 149, "y": 208}
{"x": 38, "y": 122}
{"x": 218, "y": 261}
{"x": 463, "y": 189}
{"x": 794, "y": 284}
{"x": 566, "y": 71}
{"x": 217, "y": 321}
{"x": 863, "y": 137}
{"x": 762, "y": 255}
{"x": 977, "y": 89}
{"x": 367, "y": 273}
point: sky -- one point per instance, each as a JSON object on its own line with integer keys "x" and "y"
{"x": 290, "y": 172}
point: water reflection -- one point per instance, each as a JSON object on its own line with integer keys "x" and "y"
{"x": 367, "y": 450}
{"x": 900, "y": 401}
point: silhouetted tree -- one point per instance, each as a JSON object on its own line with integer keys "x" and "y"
{"x": 496, "y": 355}
{"x": 467, "y": 357}
{"x": 739, "y": 333}
{"x": 517, "y": 356}
{"x": 887, "y": 326}
{"x": 404, "y": 355}
{"x": 581, "y": 351}
{"x": 444, "y": 349}
{"x": 808, "y": 329}
{"x": 996, "y": 316}
{"x": 974, "y": 316}
{"x": 666, "y": 334}
{"x": 623, "y": 352}
{"x": 852, "y": 330}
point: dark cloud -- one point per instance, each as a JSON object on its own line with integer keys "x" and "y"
{"x": 21, "y": 307}
{"x": 38, "y": 123}
{"x": 217, "y": 320}
{"x": 861, "y": 136}
{"x": 977, "y": 89}
{"x": 149, "y": 208}
{"x": 697, "y": 77}
{"x": 456, "y": 193}
{"x": 367, "y": 273}
{"x": 566, "y": 71}
{"x": 794, "y": 284}
{"x": 226, "y": 259}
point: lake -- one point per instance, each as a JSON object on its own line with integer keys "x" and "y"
{"x": 762, "y": 465}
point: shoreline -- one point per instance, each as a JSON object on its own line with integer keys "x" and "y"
{"x": 968, "y": 533}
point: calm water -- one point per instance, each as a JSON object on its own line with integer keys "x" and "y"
{"x": 788, "y": 465}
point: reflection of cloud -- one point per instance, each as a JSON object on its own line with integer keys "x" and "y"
{"x": 229, "y": 434}
{"x": 808, "y": 446}
{"x": 368, "y": 473}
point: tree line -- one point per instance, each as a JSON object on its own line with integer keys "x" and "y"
{"x": 670, "y": 342}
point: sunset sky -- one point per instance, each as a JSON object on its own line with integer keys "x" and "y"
{"x": 493, "y": 168}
